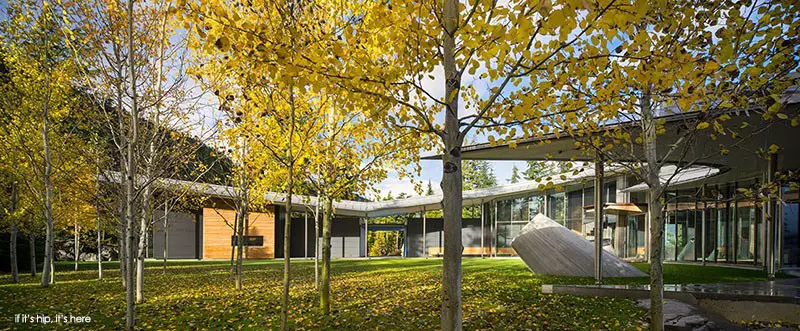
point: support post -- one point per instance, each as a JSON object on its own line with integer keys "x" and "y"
{"x": 772, "y": 218}
{"x": 779, "y": 234}
{"x": 424, "y": 233}
{"x": 305, "y": 234}
{"x": 735, "y": 221}
{"x": 598, "y": 219}
{"x": 483, "y": 234}
{"x": 494, "y": 231}
{"x": 703, "y": 229}
{"x": 366, "y": 237}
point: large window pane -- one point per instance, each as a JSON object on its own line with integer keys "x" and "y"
{"x": 536, "y": 205}
{"x": 575, "y": 210}
{"x": 556, "y": 208}
{"x": 746, "y": 232}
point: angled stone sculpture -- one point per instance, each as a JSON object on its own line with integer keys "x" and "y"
{"x": 548, "y": 248}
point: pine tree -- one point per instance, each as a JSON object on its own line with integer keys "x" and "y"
{"x": 478, "y": 174}
{"x": 430, "y": 189}
{"x": 538, "y": 169}
{"x": 514, "y": 175}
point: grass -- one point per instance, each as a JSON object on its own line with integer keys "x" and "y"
{"x": 367, "y": 294}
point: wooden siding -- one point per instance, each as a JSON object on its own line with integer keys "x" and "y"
{"x": 217, "y": 234}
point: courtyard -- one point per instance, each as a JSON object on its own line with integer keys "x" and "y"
{"x": 380, "y": 293}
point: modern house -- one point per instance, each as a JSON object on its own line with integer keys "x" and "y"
{"x": 708, "y": 218}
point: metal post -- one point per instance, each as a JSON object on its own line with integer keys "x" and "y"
{"x": 483, "y": 234}
{"x": 305, "y": 235}
{"x": 735, "y": 221}
{"x": 494, "y": 231}
{"x": 779, "y": 234}
{"x": 702, "y": 226}
{"x": 424, "y": 233}
{"x": 772, "y": 218}
{"x": 366, "y": 237}
{"x": 598, "y": 219}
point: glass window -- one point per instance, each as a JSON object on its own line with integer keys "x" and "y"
{"x": 521, "y": 211}
{"x": 746, "y": 248}
{"x": 535, "y": 205}
{"x": 575, "y": 210}
{"x": 556, "y": 208}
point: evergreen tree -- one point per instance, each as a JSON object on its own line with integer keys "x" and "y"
{"x": 539, "y": 169}
{"x": 478, "y": 174}
{"x": 430, "y": 189}
{"x": 514, "y": 175}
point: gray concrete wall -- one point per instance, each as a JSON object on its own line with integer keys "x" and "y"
{"x": 470, "y": 234}
{"x": 182, "y": 235}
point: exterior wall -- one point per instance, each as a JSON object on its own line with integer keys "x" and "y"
{"x": 182, "y": 235}
{"x": 346, "y": 236}
{"x": 470, "y": 237}
{"x": 217, "y": 234}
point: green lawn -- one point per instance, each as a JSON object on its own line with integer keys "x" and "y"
{"x": 367, "y": 294}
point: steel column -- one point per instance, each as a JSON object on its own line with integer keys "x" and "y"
{"x": 424, "y": 233}
{"x": 483, "y": 234}
{"x": 598, "y": 219}
{"x": 772, "y": 218}
{"x": 305, "y": 235}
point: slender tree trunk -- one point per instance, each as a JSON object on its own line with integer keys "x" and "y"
{"x": 32, "y": 244}
{"x": 99, "y": 250}
{"x": 451, "y": 178}
{"x": 142, "y": 242}
{"x": 77, "y": 248}
{"x": 316, "y": 245}
{"x": 13, "y": 253}
{"x": 325, "y": 274}
{"x": 288, "y": 224}
{"x": 14, "y": 234}
{"x": 123, "y": 247}
{"x": 233, "y": 254}
{"x": 243, "y": 214}
{"x": 655, "y": 209}
{"x": 130, "y": 195}
{"x": 52, "y": 270}
{"x": 47, "y": 276}
{"x": 99, "y": 223}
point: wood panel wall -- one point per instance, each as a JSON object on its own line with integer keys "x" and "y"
{"x": 217, "y": 234}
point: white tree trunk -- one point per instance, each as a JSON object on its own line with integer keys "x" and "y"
{"x": 141, "y": 250}
{"x": 316, "y": 245}
{"x": 77, "y": 248}
{"x": 655, "y": 209}
{"x": 287, "y": 229}
{"x": 99, "y": 232}
{"x": 130, "y": 190}
{"x": 325, "y": 273}
{"x": 451, "y": 177}
{"x": 47, "y": 276}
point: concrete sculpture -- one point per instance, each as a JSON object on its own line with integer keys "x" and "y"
{"x": 548, "y": 248}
